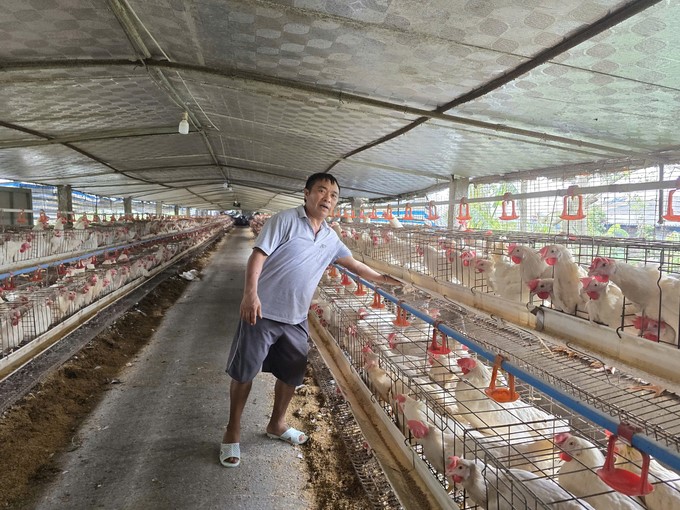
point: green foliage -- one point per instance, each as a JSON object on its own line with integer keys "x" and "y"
{"x": 616, "y": 231}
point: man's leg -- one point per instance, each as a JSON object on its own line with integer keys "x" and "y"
{"x": 283, "y": 393}
{"x": 238, "y": 396}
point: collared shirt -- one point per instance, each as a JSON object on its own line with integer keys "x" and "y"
{"x": 296, "y": 260}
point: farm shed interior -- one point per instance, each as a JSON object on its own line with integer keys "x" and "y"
{"x": 548, "y": 122}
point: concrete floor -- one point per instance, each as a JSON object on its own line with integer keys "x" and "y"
{"x": 153, "y": 442}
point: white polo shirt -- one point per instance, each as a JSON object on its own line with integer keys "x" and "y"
{"x": 296, "y": 260}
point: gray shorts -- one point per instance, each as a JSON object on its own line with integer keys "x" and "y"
{"x": 273, "y": 346}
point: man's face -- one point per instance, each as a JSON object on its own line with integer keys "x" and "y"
{"x": 321, "y": 199}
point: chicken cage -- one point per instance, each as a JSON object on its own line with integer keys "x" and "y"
{"x": 415, "y": 352}
{"x": 515, "y": 267}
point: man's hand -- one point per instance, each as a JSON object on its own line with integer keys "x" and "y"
{"x": 251, "y": 308}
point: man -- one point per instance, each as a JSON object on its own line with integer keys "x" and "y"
{"x": 290, "y": 255}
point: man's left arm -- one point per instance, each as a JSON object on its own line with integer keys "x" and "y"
{"x": 366, "y": 272}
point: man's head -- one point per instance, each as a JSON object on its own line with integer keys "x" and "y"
{"x": 320, "y": 176}
{"x": 321, "y": 195}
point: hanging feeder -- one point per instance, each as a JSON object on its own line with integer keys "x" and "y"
{"x": 401, "y": 318}
{"x": 22, "y": 217}
{"x": 432, "y": 211}
{"x": 671, "y": 215}
{"x": 374, "y": 214}
{"x": 333, "y": 272}
{"x": 463, "y": 210}
{"x": 362, "y": 216}
{"x": 408, "y": 212}
{"x": 377, "y": 302}
{"x": 438, "y": 349}
{"x": 501, "y": 395}
{"x": 388, "y": 213}
{"x": 622, "y": 480}
{"x": 345, "y": 280}
{"x": 507, "y": 200}
{"x": 360, "y": 290}
{"x": 96, "y": 218}
{"x": 568, "y": 200}
{"x": 345, "y": 214}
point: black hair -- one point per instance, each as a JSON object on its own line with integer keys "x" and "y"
{"x": 321, "y": 176}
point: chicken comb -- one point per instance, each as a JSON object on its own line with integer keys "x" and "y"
{"x": 532, "y": 284}
{"x": 401, "y": 398}
{"x": 543, "y": 250}
{"x": 561, "y": 437}
{"x": 511, "y": 247}
{"x": 468, "y": 363}
{"x": 586, "y": 281}
{"x": 453, "y": 462}
{"x": 599, "y": 260}
{"x": 418, "y": 428}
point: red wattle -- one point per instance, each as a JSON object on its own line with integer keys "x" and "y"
{"x": 566, "y": 457}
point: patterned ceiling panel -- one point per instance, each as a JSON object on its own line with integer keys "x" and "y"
{"x": 444, "y": 150}
{"x": 597, "y": 92}
{"x": 262, "y": 123}
{"x": 150, "y": 151}
{"x": 60, "y": 29}
{"x": 372, "y": 182}
{"x": 183, "y": 175}
{"x": 391, "y": 49}
{"x": 78, "y": 105}
{"x": 46, "y": 162}
{"x": 13, "y": 137}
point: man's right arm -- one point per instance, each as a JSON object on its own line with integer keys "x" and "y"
{"x": 251, "y": 308}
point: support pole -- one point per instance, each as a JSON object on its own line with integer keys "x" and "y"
{"x": 65, "y": 201}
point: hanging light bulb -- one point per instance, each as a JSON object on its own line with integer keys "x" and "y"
{"x": 184, "y": 124}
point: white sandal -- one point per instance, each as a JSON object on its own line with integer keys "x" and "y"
{"x": 230, "y": 450}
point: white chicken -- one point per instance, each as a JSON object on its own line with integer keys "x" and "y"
{"x": 381, "y": 381}
{"x": 504, "y": 278}
{"x": 407, "y": 408}
{"x": 578, "y": 475}
{"x": 437, "y": 444}
{"x": 567, "y": 274}
{"x": 543, "y": 288}
{"x": 483, "y": 411}
{"x": 639, "y": 285}
{"x": 493, "y": 489}
{"x": 606, "y": 304}
{"x": 531, "y": 265}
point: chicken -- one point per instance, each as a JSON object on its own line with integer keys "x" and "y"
{"x": 403, "y": 344}
{"x": 654, "y": 330}
{"x": 578, "y": 475}
{"x": 395, "y": 223}
{"x": 606, "y": 303}
{"x": 407, "y": 409}
{"x": 436, "y": 443}
{"x": 517, "y": 416}
{"x": 639, "y": 285}
{"x": 381, "y": 381}
{"x": 543, "y": 288}
{"x": 493, "y": 489}
{"x": 531, "y": 265}
{"x": 567, "y": 274}
{"x": 504, "y": 278}
{"x": 666, "y": 493}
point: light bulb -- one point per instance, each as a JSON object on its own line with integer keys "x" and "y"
{"x": 184, "y": 124}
